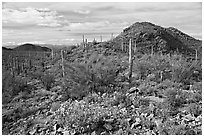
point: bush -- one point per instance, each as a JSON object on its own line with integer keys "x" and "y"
{"x": 12, "y": 86}
{"x": 174, "y": 100}
{"x": 48, "y": 81}
{"x": 98, "y": 75}
{"x": 37, "y": 75}
{"x": 184, "y": 72}
{"x": 194, "y": 109}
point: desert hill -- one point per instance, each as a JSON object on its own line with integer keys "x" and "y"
{"x": 4, "y": 48}
{"x": 165, "y": 40}
{"x": 31, "y": 47}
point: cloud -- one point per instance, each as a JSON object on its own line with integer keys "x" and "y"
{"x": 69, "y": 20}
{"x": 82, "y": 11}
{"x": 31, "y": 17}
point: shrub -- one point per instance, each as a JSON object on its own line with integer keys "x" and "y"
{"x": 37, "y": 75}
{"x": 168, "y": 84}
{"x": 97, "y": 75}
{"x": 174, "y": 100}
{"x": 12, "y": 86}
{"x": 48, "y": 81}
{"x": 169, "y": 128}
{"x": 194, "y": 109}
{"x": 141, "y": 102}
{"x": 183, "y": 71}
{"x": 151, "y": 65}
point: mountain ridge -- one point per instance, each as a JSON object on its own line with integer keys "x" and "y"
{"x": 31, "y": 47}
{"x": 163, "y": 39}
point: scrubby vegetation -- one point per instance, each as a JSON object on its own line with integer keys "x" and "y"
{"x": 95, "y": 96}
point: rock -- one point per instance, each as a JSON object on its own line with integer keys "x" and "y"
{"x": 199, "y": 118}
{"x": 133, "y": 90}
{"x": 151, "y": 77}
{"x": 66, "y": 133}
{"x": 59, "y": 97}
{"x": 158, "y": 123}
{"x": 56, "y": 127}
{"x": 104, "y": 133}
{"x": 137, "y": 123}
{"x": 53, "y": 98}
{"x": 108, "y": 127}
{"x": 32, "y": 132}
{"x": 93, "y": 133}
{"x": 124, "y": 111}
{"x": 48, "y": 113}
{"x": 109, "y": 120}
{"x": 55, "y": 89}
{"x": 155, "y": 99}
{"x": 119, "y": 132}
{"x": 138, "y": 120}
{"x": 148, "y": 133}
{"x": 60, "y": 129}
{"x": 188, "y": 118}
{"x": 151, "y": 116}
{"x": 55, "y": 106}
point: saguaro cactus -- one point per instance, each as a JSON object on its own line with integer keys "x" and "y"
{"x": 152, "y": 49}
{"x": 83, "y": 42}
{"x": 196, "y": 55}
{"x": 135, "y": 48}
{"x": 52, "y": 54}
{"x": 62, "y": 57}
{"x": 122, "y": 47}
{"x": 130, "y": 60}
{"x": 101, "y": 39}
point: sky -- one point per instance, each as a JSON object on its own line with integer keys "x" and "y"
{"x": 65, "y": 22}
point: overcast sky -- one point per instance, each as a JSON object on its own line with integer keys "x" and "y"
{"x": 64, "y": 23}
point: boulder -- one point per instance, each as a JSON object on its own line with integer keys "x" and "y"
{"x": 133, "y": 90}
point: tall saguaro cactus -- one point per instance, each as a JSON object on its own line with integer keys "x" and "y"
{"x": 122, "y": 46}
{"x": 130, "y": 61}
{"x": 101, "y": 38}
{"x": 52, "y": 54}
{"x": 83, "y": 42}
{"x": 196, "y": 55}
{"x": 62, "y": 57}
{"x": 135, "y": 48}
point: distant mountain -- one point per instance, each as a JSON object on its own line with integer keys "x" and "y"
{"x": 146, "y": 34}
{"x": 31, "y": 47}
{"x": 4, "y": 48}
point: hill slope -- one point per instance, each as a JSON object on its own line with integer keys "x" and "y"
{"x": 31, "y": 47}
{"x": 4, "y": 48}
{"x": 162, "y": 39}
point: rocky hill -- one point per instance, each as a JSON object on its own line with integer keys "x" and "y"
{"x": 167, "y": 40}
{"x": 4, "y": 48}
{"x": 31, "y": 47}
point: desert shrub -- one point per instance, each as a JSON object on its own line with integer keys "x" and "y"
{"x": 147, "y": 87}
{"x": 74, "y": 91}
{"x": 97, "y": 75}
{"x": 121, "y": 98}
{"x": 36, "y": 75}
{"x": 197, "y": 86}
{"x": 194, "y": 109}
{"x": 151, "y": 65}
{"x": 48, "y": 80}
{"x": 196, "y": 97}
{"x": 174, "y": 100}
{"x": 141, "y": 102}
{"x": 168, "y": 84}
{"x": 12, "y": 86}
{"x": 184, "y": 72}
{"x": 84, "y": 119}
{"x": 170, "y": 128}
{"x": 143, "y": 68}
